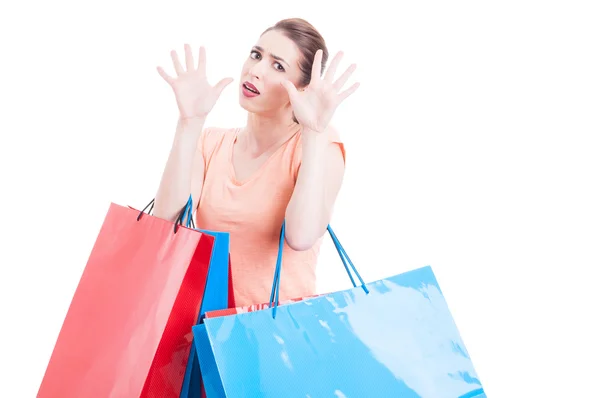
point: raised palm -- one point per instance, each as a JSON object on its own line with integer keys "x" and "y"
{"x": 195, "y": 96}
{"x": 315, "y": 105}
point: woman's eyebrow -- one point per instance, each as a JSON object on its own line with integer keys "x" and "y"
{"x": 262, "y": 50}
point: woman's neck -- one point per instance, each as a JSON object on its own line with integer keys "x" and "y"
{"x": 264, "y": 133}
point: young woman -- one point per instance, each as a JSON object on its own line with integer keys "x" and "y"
{"x": 287, "y": 162}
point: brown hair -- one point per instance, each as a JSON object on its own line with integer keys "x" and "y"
{"x": 308, "y": 40}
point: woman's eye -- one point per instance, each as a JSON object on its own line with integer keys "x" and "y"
{"x": 254, "y": 55}
{"x": 279, "y": 67}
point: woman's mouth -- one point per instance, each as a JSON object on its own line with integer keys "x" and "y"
{"x": 249, "y": 90}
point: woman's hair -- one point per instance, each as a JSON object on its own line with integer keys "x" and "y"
{"x": 308, "y": 40}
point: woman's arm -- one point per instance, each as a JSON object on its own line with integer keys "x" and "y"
{"x": 317, "y": 186}
{"x": 183, "y": 172}
{"x": 195, "y": 99}
{"x": 320, "y": 176}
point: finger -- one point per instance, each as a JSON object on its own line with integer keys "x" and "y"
{"x": 202, "y": 60}
{"x": 290, "y": 88}
{"x": 176, "y": 63}
{"x": 220, "y": 86}
{"x": 189, "y": 58}
{"x": 333, "y": 67}
{"x": 164, "y": 75}
{"x": 339, "y": 83}
{"x": 316, "y": 68}
{"x": 345, "y": 94}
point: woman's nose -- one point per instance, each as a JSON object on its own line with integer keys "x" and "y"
{"x": 257, "y": 70}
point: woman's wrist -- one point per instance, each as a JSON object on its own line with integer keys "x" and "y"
{"x": 190, "y": 127}
{"x": 192, "y": 123}
{"x": 188, "y": 132}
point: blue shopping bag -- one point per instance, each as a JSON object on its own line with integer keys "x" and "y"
{"x": 390, "y": 338}
{"x": 215, "y": 298}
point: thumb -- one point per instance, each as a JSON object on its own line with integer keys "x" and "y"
{"x": 290, "y": 88}
{"x": 220, "y": 86}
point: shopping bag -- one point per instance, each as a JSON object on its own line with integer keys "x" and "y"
{"x": 394, "y": 337}
{"x": 213, "y": 299}
{"x": 127, "y": 332}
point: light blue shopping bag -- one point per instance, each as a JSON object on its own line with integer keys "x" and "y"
{"x": 393, "y": 338}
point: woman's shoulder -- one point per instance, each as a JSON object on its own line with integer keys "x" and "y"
{"x": 334, "y": 134}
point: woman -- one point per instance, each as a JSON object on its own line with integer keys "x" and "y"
{"x": 287, "y": 162}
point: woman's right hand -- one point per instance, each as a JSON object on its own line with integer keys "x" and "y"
{"x": 195, "y": 96}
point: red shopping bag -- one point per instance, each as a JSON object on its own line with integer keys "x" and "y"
{"x": 127, "y": 332}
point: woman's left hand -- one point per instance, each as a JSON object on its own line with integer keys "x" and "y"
{"x": 315, "y": 105}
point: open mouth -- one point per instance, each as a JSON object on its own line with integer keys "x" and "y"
{"x": 251, "y": 88}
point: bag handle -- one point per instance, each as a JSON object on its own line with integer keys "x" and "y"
{"x": 274, "y": 300}
{"x": 185, "y": 213}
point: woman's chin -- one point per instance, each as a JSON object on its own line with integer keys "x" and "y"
{"x": 247, "y": 104}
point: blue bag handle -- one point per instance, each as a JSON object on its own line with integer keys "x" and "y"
{"x": 187, "y": 214}
{"x": 274, "y": 299}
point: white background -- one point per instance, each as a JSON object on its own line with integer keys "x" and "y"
{"x": 472, "y": 147}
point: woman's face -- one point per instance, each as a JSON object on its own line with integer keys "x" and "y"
{"x": 273, "y": 59}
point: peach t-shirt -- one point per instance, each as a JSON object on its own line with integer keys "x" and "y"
{"x": 252, "y": 212}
